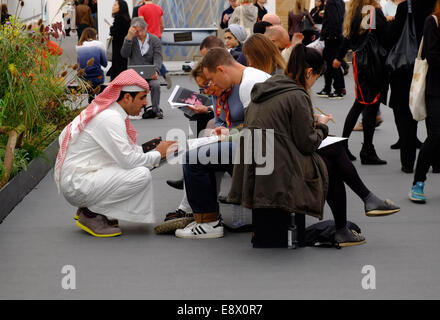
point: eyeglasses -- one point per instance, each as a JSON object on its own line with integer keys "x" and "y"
{"x": 206, "y": 86}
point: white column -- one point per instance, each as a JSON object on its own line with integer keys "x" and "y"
{"x": 105, "y": 13}
{"x": 271, "y": 6}
{"x": 54, "y": 12}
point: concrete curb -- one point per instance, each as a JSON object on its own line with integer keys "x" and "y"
{"x": 19, "y": 186}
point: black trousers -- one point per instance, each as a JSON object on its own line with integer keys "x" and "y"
{"x": 341, "y": 171}
{"x": 332, "y": 75}
{"x": 429, "y": 153}
{"x": 406, "y": 125}
{"x": 368, "y": 120}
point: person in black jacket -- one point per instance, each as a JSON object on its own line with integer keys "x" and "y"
{"x": 400, "y": 83}
{"x": 331, "y": 33}
{"x": 135, "y": 13}
{"x": 317, "y": 12}
{"x": 226, "y": 15}
{"x": 261, "y": 9}
{"x": 5, "y": 14}
{"x": 118, "y": 31}
{"x": 355, "y": 34}
{"x": 431, "y": 50}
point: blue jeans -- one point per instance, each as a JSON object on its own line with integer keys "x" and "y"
{"x": 200, "y": 180}
{"x": 163, "y": 71}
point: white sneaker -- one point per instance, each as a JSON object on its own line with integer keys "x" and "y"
{"x": 194, "y": 230}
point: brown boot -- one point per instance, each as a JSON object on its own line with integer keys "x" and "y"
{"x": 97, "y": 226}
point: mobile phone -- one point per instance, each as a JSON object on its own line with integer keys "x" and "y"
{"x": 150, "y": 145}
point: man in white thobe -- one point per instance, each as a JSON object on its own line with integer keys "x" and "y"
{"x": 101, "y": 170}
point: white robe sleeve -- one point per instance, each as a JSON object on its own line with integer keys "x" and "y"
{"x": 112, "y": 137}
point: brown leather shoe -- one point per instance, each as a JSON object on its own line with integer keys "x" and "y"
{"x": 97, "y": 227}
{"x": 359, "y": 127}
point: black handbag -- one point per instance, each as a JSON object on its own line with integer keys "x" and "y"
{"x": 403, "y": 55}
{"x": 306, "y": 25}
{"x": 370, "y": 75}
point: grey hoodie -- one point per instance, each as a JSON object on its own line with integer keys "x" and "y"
{"x": 250, "y": 16}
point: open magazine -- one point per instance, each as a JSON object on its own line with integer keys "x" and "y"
{"x": 181, "y": 98}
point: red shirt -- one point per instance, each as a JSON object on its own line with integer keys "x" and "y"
{"x": 152, "y": 14}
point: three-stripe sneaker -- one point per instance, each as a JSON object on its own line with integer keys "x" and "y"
{"x": 194, "y": 230}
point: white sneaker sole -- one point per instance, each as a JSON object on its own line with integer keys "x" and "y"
{"x": 199, "y": 236}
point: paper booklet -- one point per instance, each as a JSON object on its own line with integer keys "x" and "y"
{"x": 330, "y": 140}
{"x": 195, "y": 143}
{"x": 181, "y": 97}
{"x": 192, "y": 144}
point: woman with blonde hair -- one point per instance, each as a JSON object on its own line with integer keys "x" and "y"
{"x": 262, "y": 54}
{"x": 355, "y": 30}
{"x": 296, "y": 16}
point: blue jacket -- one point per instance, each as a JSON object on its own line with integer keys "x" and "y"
{"x": 236, "y": 110}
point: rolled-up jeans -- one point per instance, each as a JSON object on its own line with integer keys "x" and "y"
{"x": 199, "y": 174}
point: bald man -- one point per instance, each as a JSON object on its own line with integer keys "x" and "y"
{"x": 272, "y": 18}
{"x": 279, "y": 36}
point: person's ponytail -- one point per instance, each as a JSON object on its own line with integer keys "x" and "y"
{"x": 302, "y": 58}
{"x": 297, "y": 65}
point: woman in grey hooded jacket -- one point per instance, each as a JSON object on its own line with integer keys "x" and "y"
{"x": 303, "y": 177}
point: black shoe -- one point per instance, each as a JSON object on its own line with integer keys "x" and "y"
{"x": 323, "y": 93}
{"x": 159, "y": 114}
{"x": 368, "y": 156}
{"x": 395, "y": 146}
{"x": 346, "y": 68}
{"x": 178, "y": 219}
{"x": 347, "y": 238}
{"x": 336, "y": 96}
{"x": 375, "y": 207}
{"x": 177, "y": 215}
{"x": 223, "y": 199}
{"x": 176, "y": 184}
{"x": 349, "y": 154}
{"x": 407, "y": 170}
{"x": 186, "y": 68}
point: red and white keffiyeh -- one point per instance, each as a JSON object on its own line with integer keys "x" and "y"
{"x": 101, "y": 102}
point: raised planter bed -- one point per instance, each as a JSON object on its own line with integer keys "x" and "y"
{"x": 23, "y": 183}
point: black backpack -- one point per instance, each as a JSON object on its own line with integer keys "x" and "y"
{"x": 322, "y": 234}
{"x": 369, "y": 69}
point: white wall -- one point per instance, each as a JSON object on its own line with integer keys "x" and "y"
{"x": 29, "y": 10}
{"x": 53, "y": 7}
{"x": 271, "y": 6}
{"x": 105, "y": 13}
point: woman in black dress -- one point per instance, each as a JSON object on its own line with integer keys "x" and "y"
{"x": 118, "y": 31}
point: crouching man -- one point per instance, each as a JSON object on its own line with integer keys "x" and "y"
{"x": 100, "y": 169}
